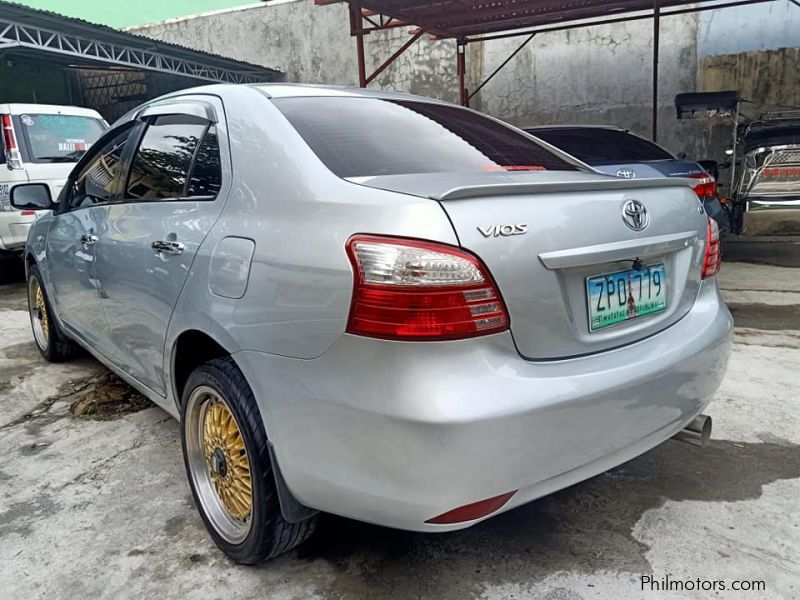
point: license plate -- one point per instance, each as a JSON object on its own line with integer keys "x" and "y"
{"x": 618, "y": 297}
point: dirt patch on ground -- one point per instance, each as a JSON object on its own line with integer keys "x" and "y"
{"x": 106, "y": 397}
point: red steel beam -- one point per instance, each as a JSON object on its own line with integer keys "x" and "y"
{"x": 357, "y": 30}
{"x": 656, "y": 35}
{"x": 394, "y": 56}
{"x": 461, "y": 70}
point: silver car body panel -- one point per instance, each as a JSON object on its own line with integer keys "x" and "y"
{"x": 450, "y": 423}
{"x": 398, "y": 432}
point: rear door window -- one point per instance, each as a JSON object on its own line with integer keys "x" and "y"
{"x": 178, "y": 157}
{"x": 359, "y": 137}
{"x": 57, "y": 138}
{"x": 598, "y": 146}
{"x": 206, "y": 175}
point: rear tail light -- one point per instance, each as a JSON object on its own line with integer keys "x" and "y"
{"x": 13, "y": 157}
{"x": 706, "y": 185}
{"x": 712, "y": 257}
{"x": 418, "y": 290}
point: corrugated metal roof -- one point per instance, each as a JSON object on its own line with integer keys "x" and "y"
{"x": 467, "y": 18}
{"x": 69, "y": 25}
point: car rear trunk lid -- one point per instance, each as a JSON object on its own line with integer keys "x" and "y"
{"x": 575, "y": 230}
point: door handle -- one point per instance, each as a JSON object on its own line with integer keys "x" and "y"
{"x": 87, "y": 239}
{"x": 168, "y": 247}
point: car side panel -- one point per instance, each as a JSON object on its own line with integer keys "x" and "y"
{"x": 299, "y": 216}
{"x": 140, "y": 286}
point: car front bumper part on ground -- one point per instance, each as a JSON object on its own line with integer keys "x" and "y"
{"x": 397, "y": 433}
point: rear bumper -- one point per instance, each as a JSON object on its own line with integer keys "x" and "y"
{"x": 14, "y": 229}
{"x": 396, "y": 433}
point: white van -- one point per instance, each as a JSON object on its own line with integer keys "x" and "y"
{"x": 39, "y": 143}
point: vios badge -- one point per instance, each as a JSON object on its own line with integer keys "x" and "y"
{"x": 626, "y": 173}
{"x": 503, "y": 230}
{"x": 635, "y": 215}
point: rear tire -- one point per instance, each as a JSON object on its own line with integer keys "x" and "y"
{"x": 51, "y": 341}
{"x": 226, "y": 455}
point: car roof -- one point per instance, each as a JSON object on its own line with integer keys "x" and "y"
{"x": 295, "y": 90}
{"x": 562, "y": 127}
{"x": 16, "y": 108}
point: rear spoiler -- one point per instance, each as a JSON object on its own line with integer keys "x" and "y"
{"x": 506, "y": 189}
{"x": 696, "y": 105}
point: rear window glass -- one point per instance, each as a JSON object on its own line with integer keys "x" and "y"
{"x": 359, "y": 137}
{"x": 602, "y": 146}
{"x": 58, "y": 138}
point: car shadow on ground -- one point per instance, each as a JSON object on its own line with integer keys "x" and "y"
{"x": 586, "y": 528}
{"x": 12, "y": 280}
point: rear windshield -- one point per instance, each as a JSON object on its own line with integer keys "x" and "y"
{"x": 596, "y": 146}
{"x": 359, "y": 137}
{"x": 58, "y": 138}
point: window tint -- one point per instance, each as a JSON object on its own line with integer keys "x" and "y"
{"x": 58, "y": 138}
{"x": 358, "y": 137}
{"x": 597, "y": 146}
{"x": 161, "y": 164}
{"x": 206, "y": 177}
{"x": 95, "y": 183}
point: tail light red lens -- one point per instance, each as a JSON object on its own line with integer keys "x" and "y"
{"x": 712, "y": 257}
{"x": 8, "y": 133}
{"x": 419, "y": 290}
{"x": 470, "y": 512}
{"x": 13, "y": 157}
{"x": 706, "y": 185}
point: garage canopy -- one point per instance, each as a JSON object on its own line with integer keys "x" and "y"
{"x": 79, "y": 41}
{"x": 49, "y": 58}
{"x": 468, "y": 21}
{"x": 468, "y": 18}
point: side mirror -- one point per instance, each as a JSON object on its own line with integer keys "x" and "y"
{"x": 31, "y": 196}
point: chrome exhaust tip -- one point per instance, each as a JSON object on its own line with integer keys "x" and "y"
{"x": 697, "y": 433}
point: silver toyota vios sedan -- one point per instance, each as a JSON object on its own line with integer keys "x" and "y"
{"x": 376, "y": 305}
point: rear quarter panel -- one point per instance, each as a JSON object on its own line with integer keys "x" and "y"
{"x": 299, "y": 216}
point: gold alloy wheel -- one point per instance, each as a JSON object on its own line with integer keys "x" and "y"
{"x": 218, "y": 464}
{"x": 38, "y": 310}
{"x": 41, "y": 309}
{"x": 226, "y": 459}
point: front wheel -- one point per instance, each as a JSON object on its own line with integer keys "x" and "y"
{"x": 226, "y": 455}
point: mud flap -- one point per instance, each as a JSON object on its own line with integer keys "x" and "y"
{"x": 291, "y": 509}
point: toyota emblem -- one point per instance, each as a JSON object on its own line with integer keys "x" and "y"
{"x": 635, "y": 215}
{"x": 626, "y": 173}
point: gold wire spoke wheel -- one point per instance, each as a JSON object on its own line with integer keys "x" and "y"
{"x": 226, "y": 459}
{"x": 218, "y": 464}
{"x": 38, "y": 310}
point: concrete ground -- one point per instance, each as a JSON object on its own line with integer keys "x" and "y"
{"x": 94, "y": 502}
